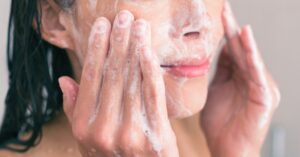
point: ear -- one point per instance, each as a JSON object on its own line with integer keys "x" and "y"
{"x": 55, "y": 25}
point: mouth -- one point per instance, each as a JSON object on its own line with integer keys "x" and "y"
{"x": 189, "y": 68}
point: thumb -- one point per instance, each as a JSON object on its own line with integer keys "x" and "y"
{"x": 70, "y": 90}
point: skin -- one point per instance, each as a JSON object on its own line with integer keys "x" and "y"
{"x": 245, "y": 111}
{"x": 171, "y": 12}
{"x": 115, "y": 62}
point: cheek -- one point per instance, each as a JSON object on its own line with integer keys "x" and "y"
{"x": 214, "y": 8}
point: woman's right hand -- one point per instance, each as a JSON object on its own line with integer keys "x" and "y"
{"x": 119, "y": 108}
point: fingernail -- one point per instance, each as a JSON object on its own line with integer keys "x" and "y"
{"x": 140, "y": 28}
{"x": 124, "y": 18}
{"x": 101, "y": 25}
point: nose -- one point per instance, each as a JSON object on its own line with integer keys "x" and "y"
{"x": 190, "y": 19}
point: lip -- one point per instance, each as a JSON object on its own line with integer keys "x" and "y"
{"x": 188, "y": 68}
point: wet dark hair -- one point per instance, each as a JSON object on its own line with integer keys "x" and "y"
{"x": 34, "y": 96}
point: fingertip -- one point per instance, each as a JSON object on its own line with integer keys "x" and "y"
{"x": 127, "y": 14}
{"x": 123, "y": 19}
{"x": 67, "y": 85}
{"x": 230, "y": 25}
{"x": 61, "y": 82}
{"x": 101, "y": 23}
{"x": 249, "y": 42}
{"x": 100, "y": 27}
{"x": 70, "y": 90}
{"x": 226, "y": 6}
{"x": 252, "y": 42}
{"x": 99, "y": 33}
{"x": 102, "y": 18}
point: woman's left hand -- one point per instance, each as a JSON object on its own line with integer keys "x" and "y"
{"x": 242, "y": 97}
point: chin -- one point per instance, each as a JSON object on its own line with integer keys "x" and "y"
{"x": 185, "y": 96}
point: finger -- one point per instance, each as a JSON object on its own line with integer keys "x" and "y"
{"x": 254, "y": 59}
{"x": 92, "y": 71}
{"x": 259, "y": 91}
{"x": 132, "y": 139}
{"x": 232, "y": 34}
{"x": 70, "y": 90}
{"x": 132, "y": 91}
{"x": 112, "y": 89}
{"x": 153, "y": 86}
{"x": 256, "y": 68}
{"x": 231, "y": 27}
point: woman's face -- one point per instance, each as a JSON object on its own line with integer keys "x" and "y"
{"x": 184, "y": 32}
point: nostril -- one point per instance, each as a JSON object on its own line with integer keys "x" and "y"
{"x": 191, "y": 35}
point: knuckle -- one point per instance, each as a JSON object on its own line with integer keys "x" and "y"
{"x": 132, "y": 140}
{"x": 103, "y": 138}
{"x": 104, "y": 141}
{"x": 155, "y": 146}
{"x": 79, "y": 132}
